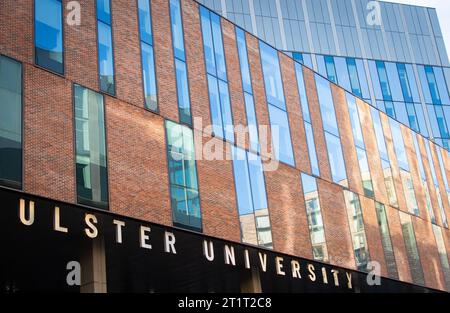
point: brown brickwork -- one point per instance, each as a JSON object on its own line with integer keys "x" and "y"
{"x": 16, "y": 29}
{"x": 164, "y": 61}
{"x": 295, "y": 113}
{"x": 127, "y": 52}
{"x": 373, "y": 155}
{"x": 316, "y": 121}
{"x": 346, "y": 134}
{"x": 428, "y": 252}
{"x": 372, "y": 230}
{"x": 445, "y": 198}
{"x": 394, "y": 164}
{"x": 49, "y": 157}
{"x": 287, "y": 212}
{"x": 414, "y": 169}
{"x": 398, "y": 243}
{"x": 234, "y": 80}
{"x": 217, "y": 195}
{"x": 259, "y": 94}
{"x": 81, "y": 57}
{"x": 337, "y": 229}
{"x": 198, "y": 85}
{"x": 137, "y": 163}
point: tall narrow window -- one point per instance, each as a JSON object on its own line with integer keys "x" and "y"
{"x": 105, "y": 47}
{"x": 330, "y": 127}
{"x": 436, "y": 184}
{"x": 307, "y": 120}
{"x": 48, "y": 35}
{"x": 184, "y": 193}
{"x": 385, "y": 90}
{"x": 411, "y": 249}
{"x": 219, "y": 97}
{"x": 91, "y": 165}
{"x": 385, "y": 162}
{"x": 360, "y": 146}
{"x": 444, "y": 178}
{"x": 147, "y": 55}
{"x": 405, "y": 174}
{"x": 331, "y": 69}
{"x": 356, "y": 221}
{"x": 315, "y": 221}
{"x": 386, "y": 242}
{"x": 442, "y": 254}
{"x": 251, "y": 199}
{"x": 184, "y": 102}
{"x": 423, "y": 177}
{"x": 353, "y": 75}
{"x": 10, "y": 123}
{"x": 281, "y": 134}
{"x": 248, "y": 90}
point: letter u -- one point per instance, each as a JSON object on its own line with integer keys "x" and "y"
{"x": 22, "y": 213}
{"x": 208, "y": 250}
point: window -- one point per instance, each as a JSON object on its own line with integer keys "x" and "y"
{"x": 432, "y": 85}
{"x": 331, "y": 70}
{"x": 436, "y": 183}
{"x": 248, "y": 90}
{"x": 360, "y": 146}
{"x": 384, "y": 82}
{"x": 48, "y": 35}
{"x": 184, "y": 102}
{"x": 91, "y": 165}
{"x": 408, "y": 187}
{"x": 314, "y": 215}
{"x": 184, "y": 192}
{"x": 386, "y": 242}
{"x": 411, "y": 249}
{"x": 219, "y": 98}
{"x": 307, "y": 120}
{"x": 332, "y": 138}
{"x": 148, "y": 61}
{"x": 356, "y": 222}
{"x": 281, "y": 136}
{"x": 105, "y": 47}
{"x": 385, "y": 162}
{"x": 251, "y": 199}
{"x": 423, "y": 177}
{"x": 10, "y": 123}
{"x": 353, "y": 75}
{"x": 442, "y": 254}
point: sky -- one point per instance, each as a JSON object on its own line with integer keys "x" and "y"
{"x": 442, "y": 9}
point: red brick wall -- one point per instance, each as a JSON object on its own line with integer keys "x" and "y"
{"x": 295, "y": 114}
{"x": 81, "y": 57}
{"x": 16, "y": 29}
{"x": 259, "y": 94}
{"x": 372, "y": 230}
{"x": 164, "y": 61}
{"x": 195, "y": 62}
{"x": 287, "y": 210}
{"x": 127, "y": 52}
{"x": 429, "y": 257}
{"x": 234, "y": 80}
{"x": 49, "y": 159}
{"x": 316, "y": 121}
{"x": 137, "y": 163}
{"x": 398, "y": 243}
{"x": 346, "y": 133}
{"x": 217, "y": 194}
{"x": 373, "y": 155}
{"x": 337, "y": 230}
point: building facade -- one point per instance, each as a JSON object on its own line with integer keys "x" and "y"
{"x": 391, "y": 55}
{"x": 161, "y": 147}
